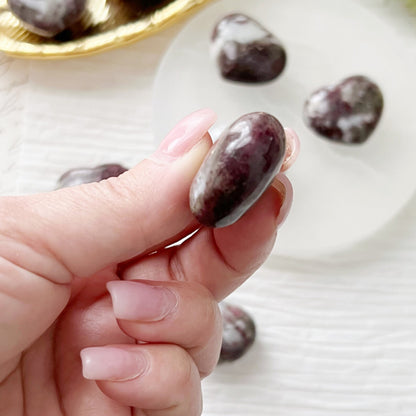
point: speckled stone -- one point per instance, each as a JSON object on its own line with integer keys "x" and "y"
{"x": 245, "y": 51}
{"x": 238, "y": 332}
{"x": 47, "y": 17}
{"x": 79, "y": 176}
{"x": 238, "y": 169}
{"x": 347, "y": 112}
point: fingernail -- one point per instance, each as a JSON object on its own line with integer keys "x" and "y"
{"x": 112, "y": 363}
{"x": 283, "y": 186}
{"x": 138, "y": 301}
{"x": 292, "y": 149}
{"x": 186, "y": 134}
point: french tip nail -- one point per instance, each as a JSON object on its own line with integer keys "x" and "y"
{"x": 186, "y": 134}
{"x": 141, "y": 301}
{"x": 109, "y": 285}
{"x": 292, "y": 148}
{"x": 112, "y": 363}
{"x": 283, "y": 185}
{"x": 206, "y": 112}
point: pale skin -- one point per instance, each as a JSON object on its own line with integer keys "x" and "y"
{"x": 97, "y": 316}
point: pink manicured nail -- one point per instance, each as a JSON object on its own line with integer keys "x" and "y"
{"x": 186, "y": 133}
{"x": 138, "y": 301}
{"x": 112, "y": 363}
{"x": 282, "y": 184}
{"x": 292, "y": 149}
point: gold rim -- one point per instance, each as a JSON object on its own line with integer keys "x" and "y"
{"x": 112, "y": 23}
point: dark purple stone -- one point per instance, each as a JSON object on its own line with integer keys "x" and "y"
{"x": 80, "y": 176}
{"x": 347, "y": 112}
{"x": 47, "y": 17}
{"x": 246, "y": 51}
{"x": 238, "y": 332}
{"x": 238, "y": 169}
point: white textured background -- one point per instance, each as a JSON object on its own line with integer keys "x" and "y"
{"x": 336, "y": 334}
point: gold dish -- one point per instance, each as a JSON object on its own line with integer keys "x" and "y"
{"x": 106, "y": 24}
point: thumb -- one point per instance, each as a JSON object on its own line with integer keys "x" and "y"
{"x": 46, "y": 239}
{"x": 89, "y": 227}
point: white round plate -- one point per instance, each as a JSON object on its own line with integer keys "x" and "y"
{"x": 342, "y": 194}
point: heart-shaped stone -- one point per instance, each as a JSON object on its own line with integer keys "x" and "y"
{"x": 245, "y": 51}
{"x": 80, "y": 176}
{"x": 346, "y": 112}
{"x": 238, "y": 169}
{"x": 47, "y": 17}
{"x": 238, "y": 332}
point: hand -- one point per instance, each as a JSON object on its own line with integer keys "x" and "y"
{"x": 85, "y": 271}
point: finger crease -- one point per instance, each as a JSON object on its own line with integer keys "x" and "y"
{"x": 48, "y": 279}
{"x": 175, "y": 267}
{"x": 220, "y": 254}
{"x": 55, "y": 376}
{"x": 22, "y": 383}
{"x": 6, "y": 378}
{"x": 41, "y": 249}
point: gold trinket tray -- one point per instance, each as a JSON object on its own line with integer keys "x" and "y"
{"x": 106, "y": 24}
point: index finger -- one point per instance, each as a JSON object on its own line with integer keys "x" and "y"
{"x": 83, "y": 229}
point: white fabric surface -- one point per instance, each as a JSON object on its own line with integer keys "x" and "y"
{"x": 336, "y": 334}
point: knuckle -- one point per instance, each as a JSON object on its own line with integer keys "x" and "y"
{"x": 206, "y": 321}
{"x": 209, "y": 312}
{"x": 184, "y": 367}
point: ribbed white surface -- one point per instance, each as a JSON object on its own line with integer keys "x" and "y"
{"x": 88, "y": 111}
{"x": 336, "y": 334}
{"x": 13, "y": 86}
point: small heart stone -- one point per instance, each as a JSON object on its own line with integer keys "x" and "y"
{"x": 238, "y": 332}
{"x": 79, "y": 176}
{"x": 47, "y": 17}
{"x": 245, "y": 51}
{"x": 346, "y": 112}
